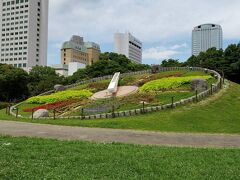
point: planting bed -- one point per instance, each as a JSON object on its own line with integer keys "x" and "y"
{"x": 154, "y": 90}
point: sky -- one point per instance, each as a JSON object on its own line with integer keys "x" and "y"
{"x": 164, "y": 26}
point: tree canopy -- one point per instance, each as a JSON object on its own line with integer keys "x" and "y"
{"x": 171, "y": 63}
{"x": 108, "y": 64}
{"x": 227, "y": 61}
{"x": 13, "y": 83}
{"x": 42, "y": 79}
{"x": 17, "y": 84}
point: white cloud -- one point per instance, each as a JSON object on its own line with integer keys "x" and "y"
{"x": 158, "y": 53}
{"x": 177, "y": 46}
{"x": 162, "y": 52}
{"x": 151, "y": 21}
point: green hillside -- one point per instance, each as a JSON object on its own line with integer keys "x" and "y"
{"x": 218, "y": 114}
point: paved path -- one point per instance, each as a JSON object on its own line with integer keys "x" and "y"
{"x": 113, "y": 135}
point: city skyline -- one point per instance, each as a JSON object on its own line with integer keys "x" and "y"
{"x": 164, "y": 27}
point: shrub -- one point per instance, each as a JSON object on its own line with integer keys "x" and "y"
{"x": 60, "y": 96}
{"x": 169, "y": 83}
{"x": 3, "y": 105}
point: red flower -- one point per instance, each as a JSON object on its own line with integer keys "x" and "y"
{"x": 50, "y": 106}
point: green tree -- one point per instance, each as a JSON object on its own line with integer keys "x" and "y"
{"x": 192, "y": 61}
{"x": 231, "y": 64}
{"x": 108, "y": 64}
{"x": 227, "y": 61}
{"x": 171, "y": 63}
{"x": 13, "y": 83}
{"x": 43, "y": 79}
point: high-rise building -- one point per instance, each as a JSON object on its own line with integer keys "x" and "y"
{"x": 76, "y": 50}
{"x": 128, "y": 45}
{"x": 24, "y": 32}
{"x": 206, "y": 36}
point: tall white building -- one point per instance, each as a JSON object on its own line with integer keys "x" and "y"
{"x": 24, "y": 32}
{"x": 128, "y": 45}
{"x": 206, "y": 36}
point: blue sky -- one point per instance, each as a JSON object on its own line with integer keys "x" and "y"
{"x": 164, "y": 26}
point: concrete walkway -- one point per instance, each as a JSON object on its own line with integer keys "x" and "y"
{"x": 114, "y": 135}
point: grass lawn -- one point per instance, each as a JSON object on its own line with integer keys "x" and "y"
{"x": 219, "y": 114}
{"x": 26, "y": 106}
{"x": 30, "y": 158}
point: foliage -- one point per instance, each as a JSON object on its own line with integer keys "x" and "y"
{"x": 108, "y": 64}
{"x": 60, "y": 96}
{"x": 171, "y": 63}
{"x": 127, "y": 80}
{"x": 3, "y": 105}
{"x": 13, "y": 83}
{"x": 140, "y": 80}
{"x": 98, "y": 86}
{"x": 16, "y": 84}
{"x": 94, "y": 86}
{"x": 169, "y": 83}
{"x": 43, "y": 79}
{"x": 51, "y": 105}
{"x": 227, "y": 61}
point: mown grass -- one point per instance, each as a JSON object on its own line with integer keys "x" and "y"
{"x": 30, "y": 158}
{"x": 219, "y": 114}
{"x": 26, "y": 106}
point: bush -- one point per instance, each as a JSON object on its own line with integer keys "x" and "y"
{"x": 60, "y": 96}
{"x": 169, "y": 83}
{"x": 3, "y": 105}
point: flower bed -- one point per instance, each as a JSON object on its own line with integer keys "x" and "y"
{"x": 51, "y": 105}
{"x": 169, "y": 83}
{"x": 60, "y": 96}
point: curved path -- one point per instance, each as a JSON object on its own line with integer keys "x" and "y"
{"x": 114, "y": 135}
